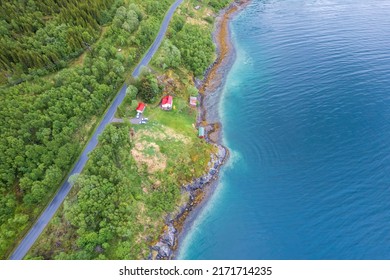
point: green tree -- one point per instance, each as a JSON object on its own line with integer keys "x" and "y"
{"x": 169, "y": 55}
{"x": 131, "y": 92}
{"x": 131, "y": 22}
{"x": 196, "y": 48}
{"x": 148, "y": 88}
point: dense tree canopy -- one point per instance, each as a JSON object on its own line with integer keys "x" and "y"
{"x": 107, "y": 190}
{"x": 196, "y": 48}
{"x": 170, "y": 56}
{"x": 41, "y": 36}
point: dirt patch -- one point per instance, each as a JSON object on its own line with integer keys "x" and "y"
{"x": 149, "y": 154}
{"x": 194, "y": 21}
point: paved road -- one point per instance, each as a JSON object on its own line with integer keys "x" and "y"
{"x": 164, "y": 26}
{"x": 49, "y": 212}
{"x": 132, "y": 120}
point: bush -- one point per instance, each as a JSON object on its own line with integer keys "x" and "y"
{"x": 148, "y": 88}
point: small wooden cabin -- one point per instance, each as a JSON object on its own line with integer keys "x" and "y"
{"x": 193, "y": 101}
{"x": 201, "y": 132}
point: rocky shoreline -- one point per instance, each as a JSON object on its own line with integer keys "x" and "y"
{"x": 167, "y": 244}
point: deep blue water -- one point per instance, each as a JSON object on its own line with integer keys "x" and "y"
{"x": 306, "y": 114}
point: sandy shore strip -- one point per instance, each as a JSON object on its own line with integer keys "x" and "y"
{"x": 178, "y": 224}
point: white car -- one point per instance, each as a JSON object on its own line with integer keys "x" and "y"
{"x": 138, "y": 115}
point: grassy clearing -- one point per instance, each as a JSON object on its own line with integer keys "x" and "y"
{"x": 181, "y": 120}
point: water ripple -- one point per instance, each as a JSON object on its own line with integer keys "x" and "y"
{"x": 306, "y": 112}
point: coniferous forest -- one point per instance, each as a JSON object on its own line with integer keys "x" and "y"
{"x": 38, "y": 37}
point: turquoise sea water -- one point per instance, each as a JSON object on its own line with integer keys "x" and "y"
{"x": 306, "y": 115}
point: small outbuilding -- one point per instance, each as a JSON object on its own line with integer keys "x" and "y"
{"x": 167, "y": 102}
{"x": 201, "y": 132}
{"x": 140, "y": 107}
{"x": 193, "y": 101}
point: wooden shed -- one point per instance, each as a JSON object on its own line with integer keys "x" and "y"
{"x": 201, "y": 132}
{"x": 193, "y": 101}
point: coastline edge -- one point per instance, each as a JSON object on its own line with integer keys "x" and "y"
{"x": 201, "y": 188}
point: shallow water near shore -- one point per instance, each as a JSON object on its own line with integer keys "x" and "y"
{"x": 306, "y": 114}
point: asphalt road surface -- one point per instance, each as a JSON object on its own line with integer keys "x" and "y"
{"x": 49, "y": 212}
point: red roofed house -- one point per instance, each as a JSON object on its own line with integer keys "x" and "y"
{"x": 166, "y": 103}
{"x": 140, "y": 107}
